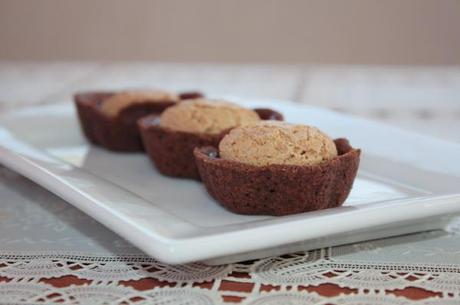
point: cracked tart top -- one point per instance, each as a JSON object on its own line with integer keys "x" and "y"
{"x": 276, "y": 168}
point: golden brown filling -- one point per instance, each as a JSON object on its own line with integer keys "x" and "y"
{"x": 206, "y": 116}
{"x": 276, "y": 142}
{"x": 113, "y": 105}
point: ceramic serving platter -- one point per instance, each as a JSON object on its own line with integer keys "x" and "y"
{"x": 406, "y": 183}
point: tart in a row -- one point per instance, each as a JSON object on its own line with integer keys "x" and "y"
{"x": 109, "y": 118}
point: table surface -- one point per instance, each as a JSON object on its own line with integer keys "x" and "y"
{"x": 423, "y": 99}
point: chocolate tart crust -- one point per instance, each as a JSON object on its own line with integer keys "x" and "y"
{"x": 190, "y": 95}
{"x": 268, "y": 114}
{"x": 119, "y": 133}
{"x": 278, "y": 189}
{"x": 171, "y": 151}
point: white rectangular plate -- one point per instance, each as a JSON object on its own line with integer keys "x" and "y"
{"x": 406, "y": 183}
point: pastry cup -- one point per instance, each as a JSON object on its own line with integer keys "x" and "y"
{"x": 119, "y": 133}
{"x": 278, "y": 189}
{"x": 171, "y": 151}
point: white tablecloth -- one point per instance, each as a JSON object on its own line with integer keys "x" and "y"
{"x": 45, "y": 238}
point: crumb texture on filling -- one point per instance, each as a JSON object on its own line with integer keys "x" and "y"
{"x": 273, "y": 142}
{"x": 206, "y": 116}
{"x": 117, "y": 102}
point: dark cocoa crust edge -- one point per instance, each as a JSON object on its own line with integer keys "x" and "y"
{"x": 269, "y": 114}
{"x": 190, "y": 95}
{"x": 171, "y": 151}
{"x": 119, "y": 133}
{"x": 279, "y": 189}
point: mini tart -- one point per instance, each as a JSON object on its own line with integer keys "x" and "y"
{"x": 118, "y": 132}
{"x": 171, "y": 151}
{"x": 278, "y": 189}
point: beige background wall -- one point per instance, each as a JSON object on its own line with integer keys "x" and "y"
{"x": 353, "y": 31}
